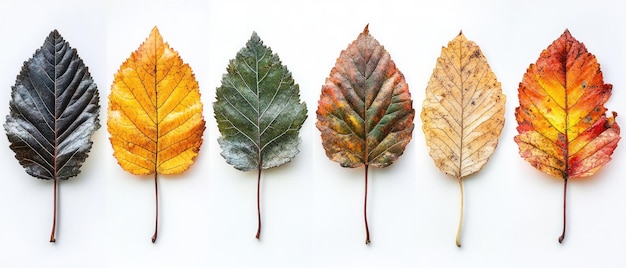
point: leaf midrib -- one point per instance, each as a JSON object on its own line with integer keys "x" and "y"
{"x": 56, "y": 145}
{"x": 258, "y": 107}
{"x": 567, "y": 110}
{"x": 156, "y": 108}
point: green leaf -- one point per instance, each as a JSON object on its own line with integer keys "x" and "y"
{"x": 53, "y": 113}
{"x": 258, "y": 110}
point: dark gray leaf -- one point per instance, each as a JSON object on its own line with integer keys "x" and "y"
{"x": 54, "y": 111}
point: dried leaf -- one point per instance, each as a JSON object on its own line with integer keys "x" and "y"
{"x": 54, "y": 112}
{"x": 258, "y": 112}
{"x": 365, "y": 113}
{"x": 563, "y": 129}
{"x": 155, "y": 114}
{"x": 463, "y": 113}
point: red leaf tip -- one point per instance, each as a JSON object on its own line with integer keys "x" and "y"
{"x": 567, "y": 34}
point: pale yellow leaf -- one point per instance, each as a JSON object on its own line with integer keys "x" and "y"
{"x": 463, "y": 113}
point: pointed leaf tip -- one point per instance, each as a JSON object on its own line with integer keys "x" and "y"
{"x": 155, "y": 35}
{"x": 255, "y": 38}
{"x": 366, "y": 30}
{"x": 55, "y": 37}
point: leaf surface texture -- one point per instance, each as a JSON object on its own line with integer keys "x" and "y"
{"x": 53, "y": 111}
{"x": 463, "y": 113}
{"x": 258, "y": 110}
{"x": 562, "y": 125}
{"x": 365, "y": 113}
{"x": 155, "y": 114}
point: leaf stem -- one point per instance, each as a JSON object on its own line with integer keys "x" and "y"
{"x": 156, "y": 202}
{"x": 564, "y": 210}
{"x": 458, "y": 232}
{"x": 54, "y": 218}
{"x": 367, "y": 229}
{"x": 258, "y": 203}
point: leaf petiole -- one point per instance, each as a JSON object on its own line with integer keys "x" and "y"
{"x": 258, "y": 203}
{"x": 458, "y": 232}
{"x": 156, "y": 200}
{"x": 54, "y": 218}
{"x": 367, "y": 229}
{"x": 564, "y": 210}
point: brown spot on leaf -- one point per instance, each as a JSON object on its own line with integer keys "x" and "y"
{"x": 476, "y": 54}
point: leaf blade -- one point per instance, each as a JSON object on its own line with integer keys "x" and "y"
{"x": 258, "y": 110}
{"x": 563, "y": 129}
{"x": 53, "y": 111}
{"x": 155, "y": 114}
{"x": 365, "y": 112}
{"x": 463, "y": 112}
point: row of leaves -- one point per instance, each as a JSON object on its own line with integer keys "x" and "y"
{"x": 364, "y": 113}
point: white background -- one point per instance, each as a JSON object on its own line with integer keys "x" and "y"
{"x": 312, "y": 207}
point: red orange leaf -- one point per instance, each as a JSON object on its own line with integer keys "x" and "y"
{"x": 563, "y": 129}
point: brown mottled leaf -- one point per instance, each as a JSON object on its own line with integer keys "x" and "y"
{"x": 365, "y": 113}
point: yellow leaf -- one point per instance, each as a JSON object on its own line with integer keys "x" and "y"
{"x": 463, "y": 113}
{"x": 155, "y": 114}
